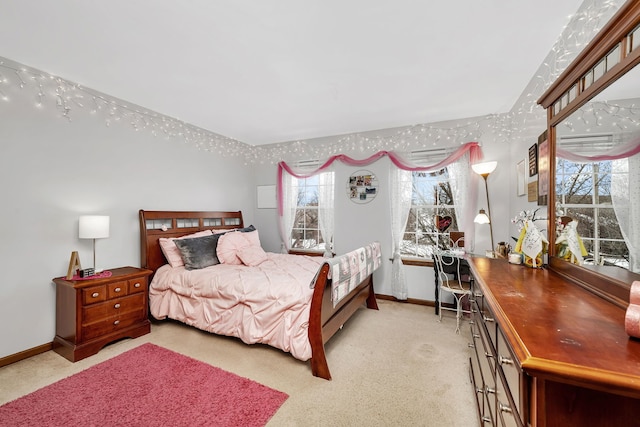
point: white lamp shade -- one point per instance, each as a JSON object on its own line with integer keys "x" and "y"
{"x": 93, "y": 227}
{"x": 482, "y": 218}
{"x": 484, "y": 168}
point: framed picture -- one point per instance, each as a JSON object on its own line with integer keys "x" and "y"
{"x": 266, "y": 196}
{"x": 543, "y": 169}
{"x": 532, "y": 191}
{"x": 362, "y": 187}
{"x": 520, "y": 178}
{"x": 533, "y": 160}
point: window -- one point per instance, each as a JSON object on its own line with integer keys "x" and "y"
{"x": 314, "y": 199}
{"x": 432, "y": 214}
{"x": 583, "y": 193}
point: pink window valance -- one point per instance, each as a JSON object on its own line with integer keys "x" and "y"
{"x": 616, "y": 153}
{"x": 473, "y": 148}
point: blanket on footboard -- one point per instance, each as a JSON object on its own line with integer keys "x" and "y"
{"x": 350, "y": 269}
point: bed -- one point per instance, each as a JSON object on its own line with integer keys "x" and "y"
{"x": 292, "y": 302}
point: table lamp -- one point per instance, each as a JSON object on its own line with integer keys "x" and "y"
{"x": 93, "y": 227}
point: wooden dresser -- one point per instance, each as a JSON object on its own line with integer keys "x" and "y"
{"x": 94, "y": 312}
{"x": 547, "y": 352}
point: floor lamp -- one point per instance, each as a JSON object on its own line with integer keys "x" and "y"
{"x": 484, "y": 170}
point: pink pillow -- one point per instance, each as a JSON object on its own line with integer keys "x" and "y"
{"x": 230, "y": 243}
{"x": 171, "y": 251}
{"x": 252, "y": 255}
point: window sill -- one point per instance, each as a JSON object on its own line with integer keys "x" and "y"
{"x": 420, "y": 262}
{"x": 307, "y": 252}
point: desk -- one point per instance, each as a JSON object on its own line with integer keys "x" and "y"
{"x": 452, "y": 268}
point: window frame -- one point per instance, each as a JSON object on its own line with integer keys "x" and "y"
{"x": 443, "y": 238}
{"x": 320, "y": 246}
{"x": 595, "y": 175}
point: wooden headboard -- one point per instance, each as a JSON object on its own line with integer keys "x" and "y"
{"x": 157, "y": 224}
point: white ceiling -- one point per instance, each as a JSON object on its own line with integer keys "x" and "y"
{"x": 265, "y": 71}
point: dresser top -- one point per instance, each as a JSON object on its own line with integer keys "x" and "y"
{"x": 121, "y": 273}
{"x": 559, "y": 330}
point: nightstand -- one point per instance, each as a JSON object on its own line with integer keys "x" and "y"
{"x": 93, "y": 312}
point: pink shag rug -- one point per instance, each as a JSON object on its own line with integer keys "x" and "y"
{"x": 147, "y": 386}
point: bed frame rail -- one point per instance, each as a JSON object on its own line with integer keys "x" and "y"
{"x": 325, "y": 320}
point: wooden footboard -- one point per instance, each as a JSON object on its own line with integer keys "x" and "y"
{"x": 325, "y": 319}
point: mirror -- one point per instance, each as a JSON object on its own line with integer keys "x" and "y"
{"x": 593, "y": 108}
{"x": 600, "y": 196}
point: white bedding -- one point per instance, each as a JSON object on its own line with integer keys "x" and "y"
{"x": 266, "y": 304}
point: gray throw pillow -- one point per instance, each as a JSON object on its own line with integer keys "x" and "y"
{"x": 199, "y": 252}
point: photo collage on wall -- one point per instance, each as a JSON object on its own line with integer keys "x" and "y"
{"x": 362, "y": 186}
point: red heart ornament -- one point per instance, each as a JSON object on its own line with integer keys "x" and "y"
{"x": 443, "y": 222}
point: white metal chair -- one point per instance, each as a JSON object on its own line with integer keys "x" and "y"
{"x": 450, "y": 279}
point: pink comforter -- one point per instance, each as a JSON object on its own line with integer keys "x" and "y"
{"x": 266, "y": 304}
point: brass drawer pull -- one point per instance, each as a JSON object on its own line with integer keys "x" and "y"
{"x": 137, "y": 285}
{"x": 95, "y": 295}
{"x": 117, "y": 305}
{"x": 116, "y": 322}
{"x": 117, "y": 289}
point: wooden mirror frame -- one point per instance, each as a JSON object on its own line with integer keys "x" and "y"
{"x": 566, "y": 95}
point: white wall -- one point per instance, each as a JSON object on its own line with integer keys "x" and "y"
{"x": 52, "y": 170}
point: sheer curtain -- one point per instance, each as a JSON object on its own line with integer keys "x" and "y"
{"x": 289, "y": 188}
{"x": 461, "y": 180}
{"x": 326, "y": 211}
{"x": 625, "y": 196}
{"x": 400, "y": 190}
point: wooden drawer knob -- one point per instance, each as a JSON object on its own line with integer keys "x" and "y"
{"x": 137, "y": 285}
{"x": 117, "y": 305}
{"x": 117, "y": 289}
{"x": 116, "y": 322}
{"x": 95, "y": 295}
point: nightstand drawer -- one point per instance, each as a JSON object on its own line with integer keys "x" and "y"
{"x": 117, "y": 289}
{"x": 138, "y": 285}
{"x": 97, "y": 312}
{"x": 111, "y": 324}
{"x": 94, "y": 294}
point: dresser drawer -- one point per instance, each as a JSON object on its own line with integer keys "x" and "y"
{"x": 94, "y": 294}
{"x": 111, "y": 324}
{"x": 505, "y": 412}
{"x": 510, "y": 370}
{"x": 137, "y": 285}
{"x": 97, "y": 312}
{"x": 117, "y": 289}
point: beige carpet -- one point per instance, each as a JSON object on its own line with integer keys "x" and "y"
{"x": 397, "y": 366}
